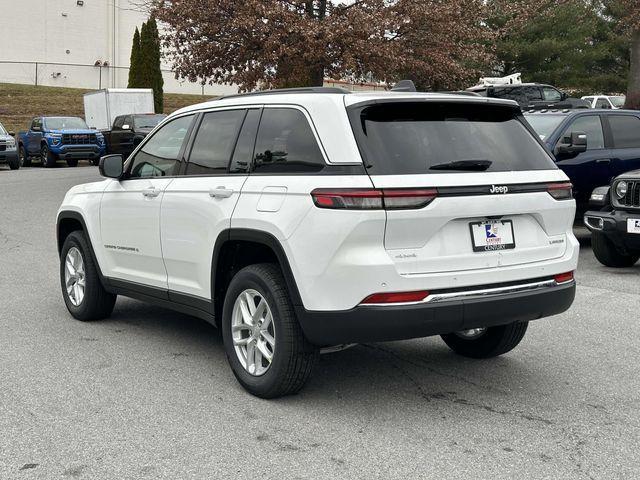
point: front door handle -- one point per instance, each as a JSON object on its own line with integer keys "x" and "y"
{"x": 151, "y": 192}
{"x": 220, "y": 192}
{"x": 603, "y": 160}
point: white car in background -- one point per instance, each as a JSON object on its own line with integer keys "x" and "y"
{"x": 609, "y": 102}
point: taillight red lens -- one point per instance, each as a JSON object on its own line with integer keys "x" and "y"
{"x": 373, "y": 199}
{"x": 560, "y": 191}
{"x": 396, "y": 297}
{"x": 563, "y": 277}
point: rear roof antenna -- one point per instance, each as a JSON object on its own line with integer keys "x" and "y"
{"x": 404, "y": 86}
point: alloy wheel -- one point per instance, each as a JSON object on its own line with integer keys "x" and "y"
{"x": 253, "y": 332}
{"x": 74, "y": 276}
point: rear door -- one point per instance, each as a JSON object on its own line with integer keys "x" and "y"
{"x": 490, "y": 175}
{"x": 34, "y": 137}
{"x": 624, "y": 129}
{"x": 198, "y": 204}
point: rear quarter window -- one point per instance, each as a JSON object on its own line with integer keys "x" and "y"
{"x": 448, "y": 137}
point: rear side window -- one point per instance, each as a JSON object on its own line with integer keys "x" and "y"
{"x": 286, "y": 143}
{"x": 625, "y": 130}
{"x": 551, "y": 94}
{"x": 592, "y": 126}
{"x": 214, "y": 142}
{"x": 429, "y": 137}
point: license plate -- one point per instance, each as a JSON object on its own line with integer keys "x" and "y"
{"x": 492, "y": 235}
{"x": 633, "y": 225}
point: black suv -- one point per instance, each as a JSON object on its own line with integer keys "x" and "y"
{"x": 531, "y": 95}
{"x": 615, "y": 227}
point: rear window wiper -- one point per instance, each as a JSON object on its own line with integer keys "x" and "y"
{"x": 468, "y": 165}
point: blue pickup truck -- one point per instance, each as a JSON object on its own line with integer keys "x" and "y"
{"x": 60, "y": 138}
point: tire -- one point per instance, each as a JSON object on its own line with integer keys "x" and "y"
{"x": 25, "y": 160}
{"x": 96, "y": 303}
{"x": 492, "y": 342}
{"x": 47, "y": 158}
{"x": 72, "y": 162}
{"x": 608, "y": 255}
{"x": 14, "y": 164}
{"x": 293, "y": 357}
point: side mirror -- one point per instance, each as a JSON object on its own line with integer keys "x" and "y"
{"x": 12, "y": 133}
{"x": 573, "y": 144}
{"x": 112, "y": 166}
{"x": 126, "y": 126}
{"x": 600, "y": 197}
{"x": 563, "y": 96}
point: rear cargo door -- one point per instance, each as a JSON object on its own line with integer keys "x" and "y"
{"x": 491, "y": 177}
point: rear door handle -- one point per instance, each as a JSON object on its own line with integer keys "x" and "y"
{"x": 151, "y": 192}
{"x": 220, "y": 192}
{"x": 603, "y": 160}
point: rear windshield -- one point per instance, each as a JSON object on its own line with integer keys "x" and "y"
{"x": 430, "y": 137}
{"x": 544, "y": 124}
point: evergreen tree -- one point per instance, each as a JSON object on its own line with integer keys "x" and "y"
{"x": 134, "y": 68}
{"x": 150, "y": 73}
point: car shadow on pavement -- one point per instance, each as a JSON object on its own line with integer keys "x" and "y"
{"x": 361, "y": 378}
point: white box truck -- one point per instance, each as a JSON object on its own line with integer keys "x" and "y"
{"x": 103, "y": 106}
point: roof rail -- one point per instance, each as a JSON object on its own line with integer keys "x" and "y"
{"x": 277, "y": 91}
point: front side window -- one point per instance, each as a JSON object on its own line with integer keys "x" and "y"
{"x": 625, "y": 130}
{"x": 429, "y": 138}
{"x": 603, "y": 103}
{"x": 36, "y": 124}
{"x": 551, "y": 94}
{"x": 286, "y": 143}
{"x": 592, "y": 126}
{"x": 117, "y": 125}
{"x": 158, "y": 157}
{"x": 532, "y": 93}
{"x": 214, "y": 142}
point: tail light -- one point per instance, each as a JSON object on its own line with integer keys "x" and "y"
{"x": 560, "y": 191}
{"x": 396, "y": 297}
{"x": 373, "y": 199}
{"x": 563, "y": 277}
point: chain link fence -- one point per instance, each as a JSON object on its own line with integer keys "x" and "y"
{"x": 98, "y": 76}
{"x": 74, "y": 75}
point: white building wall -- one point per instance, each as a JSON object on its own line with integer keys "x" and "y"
{"x": 76, "y": 32}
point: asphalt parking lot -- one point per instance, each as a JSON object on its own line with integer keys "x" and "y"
{"x": 148, "y": 393}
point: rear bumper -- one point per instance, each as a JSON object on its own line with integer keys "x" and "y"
{"x": 454, "y": 311}
{"x": 614, "y": 226}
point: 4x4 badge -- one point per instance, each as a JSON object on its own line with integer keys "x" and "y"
{"x": 499, "y": 189}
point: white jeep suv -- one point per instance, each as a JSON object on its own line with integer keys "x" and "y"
{"x": 308, "y": 218}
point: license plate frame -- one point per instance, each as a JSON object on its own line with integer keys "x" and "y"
{"x": 633, "y": 226}
{"x": 490, "y": 244}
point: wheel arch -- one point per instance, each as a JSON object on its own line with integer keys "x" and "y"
{"x": 236, "y": 248}
{"x": 69, "y": 221}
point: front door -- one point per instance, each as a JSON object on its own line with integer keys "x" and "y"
{"x": 130, "y": 208}
{"x": 589, "y": 169}
{"x": 198, "y": 205}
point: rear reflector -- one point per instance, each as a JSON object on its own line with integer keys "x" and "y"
{"x": 563, "y": 277}
{"x": 396, "y": 297}
{"x": 373, "y": 199}
{"x": 560, "y": 191}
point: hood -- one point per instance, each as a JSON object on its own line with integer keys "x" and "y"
{"x": 76, "y": 131}
{"x": 633, "y": 174}
{"x": 4, "y": 138}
